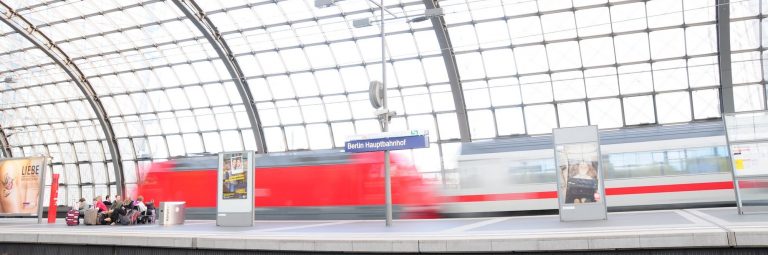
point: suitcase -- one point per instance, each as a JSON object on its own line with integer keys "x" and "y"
{"x": 73, "y": 217}
{"x": 91, "y": 217}
{"x": 134, "y": 216}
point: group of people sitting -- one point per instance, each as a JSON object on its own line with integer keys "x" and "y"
{"x": 119, "y": 211}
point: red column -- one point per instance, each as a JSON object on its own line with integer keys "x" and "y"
{"x": 54, "y": 199}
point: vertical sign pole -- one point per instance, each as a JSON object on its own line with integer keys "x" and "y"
{"x": 41, "y": 190}
{"x": 54, "y": 199}
{"x": 385, "y": 123}
{"x": 726, "y": 118}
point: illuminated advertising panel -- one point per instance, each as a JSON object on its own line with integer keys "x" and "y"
{"x": 22, "y": 181}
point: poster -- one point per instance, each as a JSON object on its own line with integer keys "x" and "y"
{"x": 235, "y": 176}
{"x": 578, "y": 173}
{"x": 750, "y": 159}
{"x": 21, "y": 180}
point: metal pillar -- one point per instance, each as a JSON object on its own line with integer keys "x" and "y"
{"x": 6, "y": 150}
{"x": 385, "y": 123}
{"x": 26, "y": 29}
{"x": 724, "y": 56}
{"x": 441, "y": 31}
{"x": 197, "y": 16}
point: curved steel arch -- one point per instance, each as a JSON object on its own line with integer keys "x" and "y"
{"x": 26, "y": 29}
{"x": 197, "y": 16}
{"x": 441, "y": 31}
{"x": 6, "y": 150}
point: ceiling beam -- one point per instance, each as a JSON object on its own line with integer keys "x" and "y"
{"x": 26, "y": 29}
{"x": 441, "y": 31}
{"x": 724, "y": 56}
{"x": 6, "y": 150}
{"x": 197, "y": 16}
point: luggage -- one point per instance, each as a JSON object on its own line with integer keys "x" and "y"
{"x": 133, "y": 215}
{"x": 91, "y": 217}
{"x": 124, "y": 220}
{"x": 148, "y": 217}
{"x": 73, "y": 217}
{"x": 129, "y": 218}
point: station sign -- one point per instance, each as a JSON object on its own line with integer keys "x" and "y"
{"x": 403, "y": 140}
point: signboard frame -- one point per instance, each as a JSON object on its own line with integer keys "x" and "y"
{"x": 41, "y": 194}
{"x": 232, "y": 209}
{"x": 755, "y": 136}
{"x": 388, "y": 141}
{"x": 574, "y": 137}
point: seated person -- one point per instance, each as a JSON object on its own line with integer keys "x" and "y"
{"x": 107, "y": 202}
{"x": 100, "y": 205}
{"x": 80, "y": 207}
{"x": 117, "y": 203}
{"x": 128, "y": 203}
{"x": 104, "y": 219}
{"x": 139, "y": 203}
{"x": 115, "y": 214}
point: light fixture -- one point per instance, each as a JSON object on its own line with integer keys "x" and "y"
{"x": 364, "y": 22}
{"x": 428, "y": 14}
{"x": 325, "y": 3}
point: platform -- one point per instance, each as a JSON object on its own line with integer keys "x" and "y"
{"x": 713, "y": 227}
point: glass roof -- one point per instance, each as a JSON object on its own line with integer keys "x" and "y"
{"x": 525, "y": 67}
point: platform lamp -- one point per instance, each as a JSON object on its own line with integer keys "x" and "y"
{"x": 378, "y": 90}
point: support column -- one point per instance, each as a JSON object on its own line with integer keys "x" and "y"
{"x": 724, "y": 56}
{"x": 6, "y": 147}
{"x": 441, "y": 31}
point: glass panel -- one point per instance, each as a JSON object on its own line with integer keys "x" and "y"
{"x": 296, "y": 137}
{"x": 448, "y": 126}
{"x": 605, "y": 113}
{"x": 674, "y": 107}
{"x": 639, "y": 110}
{"x": 319, "y": 136}
{"x": 509, "y": 121}
{"x": 706, "y": 104}
{"x": 572, "y": 114}
{"x": 540, "y": 119}
{"x": 748, "y": 98}
{"x": 341, "y": 131}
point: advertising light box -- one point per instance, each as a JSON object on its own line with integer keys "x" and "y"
{"x": 22, "y": 181}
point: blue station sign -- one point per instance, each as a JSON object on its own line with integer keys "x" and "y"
{"x": 388, "y": 141}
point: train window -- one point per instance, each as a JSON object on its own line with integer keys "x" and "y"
{"x": 669, "y": 162}
{"x": 500, "y": 171}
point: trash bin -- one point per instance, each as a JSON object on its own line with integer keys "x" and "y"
{"x": 172, "y": 213}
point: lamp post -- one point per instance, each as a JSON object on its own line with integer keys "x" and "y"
{"x": 378, "y": 90}
{"x": 385, "y": 123}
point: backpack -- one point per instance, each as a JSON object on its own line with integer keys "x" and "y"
{"x": 124, "y": 219}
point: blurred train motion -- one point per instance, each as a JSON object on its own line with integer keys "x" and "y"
{"x": 644, "y": 168}
{"x": 302, "y": 185}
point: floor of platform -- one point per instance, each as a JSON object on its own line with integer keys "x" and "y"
{"x": 712, "y": 227}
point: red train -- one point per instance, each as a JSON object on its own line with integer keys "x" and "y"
{"x": 327, "y": 185}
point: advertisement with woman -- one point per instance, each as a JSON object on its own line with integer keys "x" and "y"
{"x": 235, "y": 177}
{"x": 578, "y": 173}
{"x": 21, "y": 181}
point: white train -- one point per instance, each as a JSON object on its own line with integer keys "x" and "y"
{"x": 649, "y": 167}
